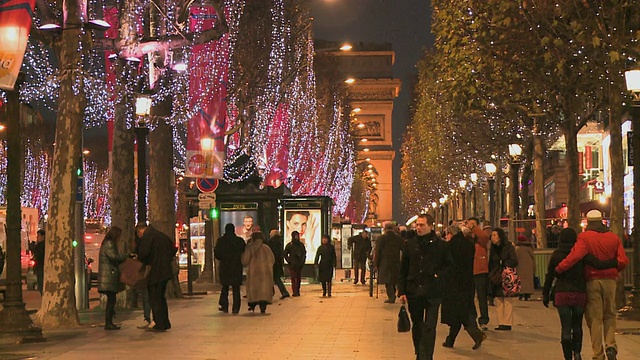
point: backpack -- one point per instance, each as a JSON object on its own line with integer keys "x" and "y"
{"x": 510, "y": 281}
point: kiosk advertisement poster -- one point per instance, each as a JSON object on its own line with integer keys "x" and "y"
{"x": 242, "y": 216}
{"x": 346, "y": 252}
{"x": 308, "y": 223}
{"x": 336, "y": 240}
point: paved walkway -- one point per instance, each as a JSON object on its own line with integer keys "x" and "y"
{"x": 350, "y": 325}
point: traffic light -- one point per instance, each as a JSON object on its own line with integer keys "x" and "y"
{"x": 213, "y": 213}
{"x": 74, "y": 243}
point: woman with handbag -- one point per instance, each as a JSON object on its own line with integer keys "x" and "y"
{"x": 503, "y": 255}
{"x": 109, "y": 273}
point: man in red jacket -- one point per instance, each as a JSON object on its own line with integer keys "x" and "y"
{"x": 480, "y": 269}
{"x": 601, "y": 284}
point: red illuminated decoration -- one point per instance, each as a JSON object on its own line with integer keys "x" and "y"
{"x": 15, "y": 24}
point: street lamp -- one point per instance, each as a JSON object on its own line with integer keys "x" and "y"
{"x": 474, "y": 205}
{"x": 515, "y": 152}
{"x": 442, "y": 208}
{"x": 143, "y": 108}
{"x": 632, "y": 78}
{"x": 491, "y": 170}
{"x": 463, "y": 194}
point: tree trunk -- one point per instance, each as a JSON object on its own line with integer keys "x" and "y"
{"x": 617, "y": 182}
{"x": 573, "y": 179}
{"x": 538, "y": 183}
{"x": 121, "y": 175}
{"x": 58, "y": 307}
{"x": 162, "y": 189}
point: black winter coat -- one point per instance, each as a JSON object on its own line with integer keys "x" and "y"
{"x": 457, "y": 303}
{"x": 276, "y": 244}
{"x": 326, "y": 261}
{"x": 295, "y": 254}
{"x": 425, "y": 261}
{"x": 501, "y": 256}
{"x": 157, "y": 249}
{"x": 361, "y": 247}
{"x": 228, "y": 251}
{"x": 387, "y": 257}
{"x": 108, "y": 270}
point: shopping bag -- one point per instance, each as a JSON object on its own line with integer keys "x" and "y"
{"x": 404, "y": 324}
{"x": 134, "y": 273}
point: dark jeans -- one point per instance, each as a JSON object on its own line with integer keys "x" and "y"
{"x": 159, "y": 306}
{"x": 40, "y": 278}
{"x": 111, "y": 306}
{"x": 424, "y": 317}
{"x": 481, "y": 282}
{"x": 143, "y": 293}
{"x": 391, "y": 291}
{"x": 296, "y": 274}
{"x": 277, "y": 279}
{"x": 571, "y": 322}
{"x": 224, "y": 298}
{"x": 360, "y": 265}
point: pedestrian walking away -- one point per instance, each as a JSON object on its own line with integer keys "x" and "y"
{"x": 276, "y": 244}
{"x": 425, "y": 260}
{"x": 325, "y": 262}
{"x": 109, "y": 274}
{"x": 600, "y": 310}
{"x": 386, "y": 260}
{"x": 295, "y": 254}
{"x": 569, "y": 294}
{"x": 503, "y": 254}
{"x": 259, "y": 260}
{"x": 228, "y": 251}
{"x": 361, "y": 246}
{"x": 458, "y": 308}
{"x": 526, "y": 267}
{"x": 158, "y": 250}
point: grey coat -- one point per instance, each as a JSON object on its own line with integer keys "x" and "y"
{"x": 259, "y": 260}
{"x": 108, "y": 271}
{"x": 387, "y": 256}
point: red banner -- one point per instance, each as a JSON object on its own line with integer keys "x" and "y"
{"x": 15, "y": 24}
{"x": 588, "y": 157}
{"x": 580, "y": 163}
{"x": 277, "y": 150}
{"x": 207, "y": 99}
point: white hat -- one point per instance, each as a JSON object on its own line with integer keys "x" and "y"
{"x": 594, "y": 215}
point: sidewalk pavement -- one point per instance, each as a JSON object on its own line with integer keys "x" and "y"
{"x": 350, "y": 325}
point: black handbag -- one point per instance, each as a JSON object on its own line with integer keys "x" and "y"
{"x": 404, "y": 324}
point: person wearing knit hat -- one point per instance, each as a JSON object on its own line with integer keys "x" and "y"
{"x": 600, "y": 310}
{"x": 526, "y": 267}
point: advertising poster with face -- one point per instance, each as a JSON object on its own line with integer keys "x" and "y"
{"x": 307, "y": 223}
{"x": 243, "y": 220}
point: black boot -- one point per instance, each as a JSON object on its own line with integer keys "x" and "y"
{"x": 329, "y": 288}
{"x": 108, "y": 321}
{"x": 577, "y": 348}
{"x": 477, "y": 335}
{"x": 567, "y": 350}
{"x": 324, "y": 289}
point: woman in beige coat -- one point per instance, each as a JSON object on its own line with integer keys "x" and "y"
{"x": 526, "y": 267}
{"x": 259, "y": 260}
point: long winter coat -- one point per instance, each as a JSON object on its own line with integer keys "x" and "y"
{"x": 108, "y": 271}
{"x": 387, "y": 257}
{"x": 457, "y": 304}
{"x": 425, "y": 262}
{"x": 526, "y": 267}
{"x": 326, "y": 261}
{"x": 503, "y": 254}
{"x": 159, "y": 251}
{"x": 259, "y": 260}
{"x": 228, "y": 251}
{"x": 276, "y": 244}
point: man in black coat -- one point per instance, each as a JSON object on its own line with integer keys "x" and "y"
{"x": 458, "y": 307}
{"x": 361, "y": 246}
{"x": 158, "y": 250}
{"x": 387, "y": 260}
{"x": 276, "y": 243}
{"x": 425, "y": 260}
{"x": 228, "y": 251}
{"x": 38, "y": 258}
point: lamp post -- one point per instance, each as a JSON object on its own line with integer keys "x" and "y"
{"x": 515, "y": 152}
{"x": 491, "y": 170}
{"x": 442, "y": 201}
{"x": 463, "y": 194}
{"x": 474, "y": 206}
{"x": 633, "y": 85}
{"x": 143, "y": 107}
{"x": 434, "y": 206}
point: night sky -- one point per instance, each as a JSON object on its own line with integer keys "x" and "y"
{"x": 403, "y": 23}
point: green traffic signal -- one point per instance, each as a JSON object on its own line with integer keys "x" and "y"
{"x": 79, "y": 171}
{"x": 213, "y": 213}
{"x": 74, "y": 243}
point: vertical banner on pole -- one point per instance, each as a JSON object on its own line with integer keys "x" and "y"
{"x": 208, "y": 73}
{"x": 15, "y": 24}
